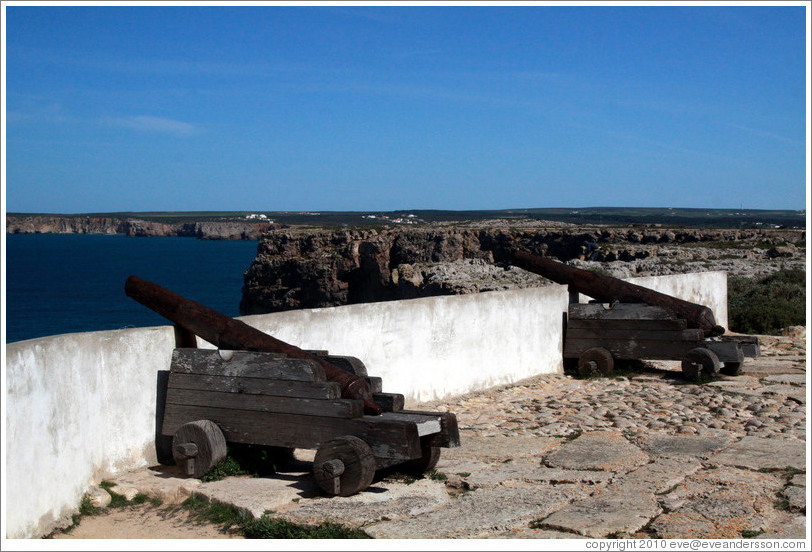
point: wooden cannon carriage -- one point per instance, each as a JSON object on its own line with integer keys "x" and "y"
{"x": 216, "y": 397}
{"x": 629, "y": 322}
{"x": 597, "y": 333}
{"x": 255, "y": 389}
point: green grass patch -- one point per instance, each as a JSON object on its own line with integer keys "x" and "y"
{"x": 205, "y": 511}
{"x": 116, "y": 500}
{"x": 574, "y": 435}
{"x": 254, "y": 460}
{"x": 266, "y": 527}
{"x": 226, "y": 468}
{"x": 87, "y": 508}
{"x": 400, "y": 477}
{"x": 749, "y": 534}
{"x": 434, "y": 475}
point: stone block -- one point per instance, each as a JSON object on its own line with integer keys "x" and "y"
{"x": 796, "y": 498}
{"x": 480, "y": 513}
{"x": 99, "y": 497}
{"x": 599, "y": 450}
{"x": 128, "y": 493}
{"x": 382, "y": 501}
{"x": 664, "y": 444}
{"x": 759, "y": 453}
{"x": 656, "y": 477}
{"x": 605, "y": 513}
{"x": 719, "y": 504}
{"x": 787, "y": 379}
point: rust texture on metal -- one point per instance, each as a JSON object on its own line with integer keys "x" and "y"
{"x": 225, "y": 332}
{"x": 608, "y": 289}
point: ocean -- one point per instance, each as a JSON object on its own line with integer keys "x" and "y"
{"x": 64, "y": 283}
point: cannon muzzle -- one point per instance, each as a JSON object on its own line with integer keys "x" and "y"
{"x": 608, "y": 289}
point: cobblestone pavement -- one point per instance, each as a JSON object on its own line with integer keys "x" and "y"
{"x": 642, "y": 455}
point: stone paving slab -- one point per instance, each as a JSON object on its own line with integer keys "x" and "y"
{"x": 599, "y": 450}
{"x": 789, "y": 379}
{"x": 792, "y": 391}
{"x": 500, "y": 447}
{"x": 720, "y": 503}
{"x": 480, "y": 513}
{"x": 530, "y": 533}
{"x": 786, "y": 527}
{"x": 762, "y": 366}
{"x": 163, "y": 482}
{"x": 382, "y": 501}
{"x": 796, "y": 498}
{"x": 657, "y": 477}
{"x": 759, "y": 453}
{"x": 605, "y": 513}
{"x": 665, "y": 444}
{"x": 260, "y": 494}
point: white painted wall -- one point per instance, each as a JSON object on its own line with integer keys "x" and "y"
{"x": 80, "y": 407}
{"x": 439, "y": 346}
{"x": 706, "y": 288}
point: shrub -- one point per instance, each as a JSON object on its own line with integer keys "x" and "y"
{"x": 768, "y": 305}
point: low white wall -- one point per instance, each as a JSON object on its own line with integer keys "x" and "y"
{"x": 80, "y": 407}
{"x": 439, "y": 346}
{"x": 706, "y": 288}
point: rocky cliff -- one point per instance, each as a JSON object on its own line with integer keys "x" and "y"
{"x": 306, "y": 268}
{"x": 214, "y": 230}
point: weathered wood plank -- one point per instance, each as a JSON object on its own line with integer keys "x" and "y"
{"x": 246, "y": 364}
{"x": 449, "y": 435}
{"x": 261, "y": 386}
{"x": 426, "y": 423}
{"x": 654, "y": 350}
{"x": 389, "y": 402}
{"x": 608, "y": 334}
{"x": 748, "y": 343}
{"x": 727, "y": 351}
{"x": 375, "y": 384}
{"x": 351, "y": 364}
{"x": 637, "y": 311}
{"x": 388, "y": 437}
{"x": 249, "y": 403}
{"x": 630, "y": 325}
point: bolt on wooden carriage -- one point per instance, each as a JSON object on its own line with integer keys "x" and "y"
{"x": 215, "y": 397}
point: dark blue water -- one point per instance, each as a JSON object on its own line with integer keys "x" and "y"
{"x": 75, "y": 283}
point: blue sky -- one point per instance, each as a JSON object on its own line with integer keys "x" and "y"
{"x": 404, "y": 107}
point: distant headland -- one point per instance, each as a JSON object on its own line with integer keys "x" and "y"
{"x": 246, "y": 225}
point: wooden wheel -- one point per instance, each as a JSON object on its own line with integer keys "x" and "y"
{"x": 198, "y": 446}
{"x": 700, "y": 362}
{"x": 595, "y": 361}
{"x": 732, "y": 368}
{"x": 428, "y": 459}
{"x": 344, "y": 466}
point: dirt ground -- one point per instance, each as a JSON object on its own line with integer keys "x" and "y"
{"x": 144, "y": 522}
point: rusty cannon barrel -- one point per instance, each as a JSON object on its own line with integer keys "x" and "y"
{"x": 608, "y": 289}
{"x": 227, "y": 333}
